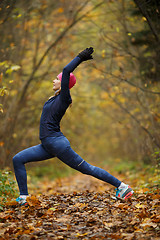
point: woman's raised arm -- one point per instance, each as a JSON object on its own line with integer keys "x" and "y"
{"x": 82, "y": 56}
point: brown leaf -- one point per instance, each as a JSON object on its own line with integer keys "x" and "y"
{"x": 11, "y": 203}
{"x": 33, "y": 201}
{"x": 148, "y": 223}
{"x": 120, "y": 205}
{"x": 38, "y": 223}
{"x": 6, "y": 215}
{"x": 156, "y": 196}
{"x": 156, "y": 218}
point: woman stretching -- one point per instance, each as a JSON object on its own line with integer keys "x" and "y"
{"x": 54, "y": 143}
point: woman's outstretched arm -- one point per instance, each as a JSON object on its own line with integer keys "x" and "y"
{"x": 82, "y": 56}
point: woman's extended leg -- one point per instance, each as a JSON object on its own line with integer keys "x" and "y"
{"x": 60, "y": 147}
{"x": 32, "y": 154}
{"x": 73, "y": 160}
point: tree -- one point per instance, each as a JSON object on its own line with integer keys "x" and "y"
{"x": 149, "y": 38}
{"x": 34, "y": 40}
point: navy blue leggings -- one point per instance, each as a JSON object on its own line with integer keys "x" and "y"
{"x": 59, "y": 147}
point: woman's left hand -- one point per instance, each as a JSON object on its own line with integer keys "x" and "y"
{"x": 86, "y": 54}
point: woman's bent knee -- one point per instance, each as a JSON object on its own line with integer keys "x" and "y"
{"x": 16, "y": 160}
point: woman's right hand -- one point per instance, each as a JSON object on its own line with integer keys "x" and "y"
{"x": 86, "y": 54}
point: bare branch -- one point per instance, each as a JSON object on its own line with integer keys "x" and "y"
{"x": 125, "y": 80}
{"x": 135, "y": 119}
{"x": 74, "y": 22}
{"x": 142, "y": 89}
{"x": 10, "y": 10}
{"x": 145, "y": 14}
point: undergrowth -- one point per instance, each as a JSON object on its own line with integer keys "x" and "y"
{"x": 7, "y": 187}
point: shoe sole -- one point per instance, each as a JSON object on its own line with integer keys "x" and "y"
{"x": 128, "y": 195}
{"x": 24, "y": 204}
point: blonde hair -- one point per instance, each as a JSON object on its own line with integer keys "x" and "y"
{"x": 57, "y": 92}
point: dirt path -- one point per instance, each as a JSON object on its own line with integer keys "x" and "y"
{"x": 81, "y": 207}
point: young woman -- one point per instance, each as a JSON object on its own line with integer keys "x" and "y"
{"x": 54, "y": 143}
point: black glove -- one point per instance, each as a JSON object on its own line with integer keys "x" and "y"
{"x": 86, "y": 54}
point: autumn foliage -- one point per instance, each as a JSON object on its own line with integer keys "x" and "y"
{"x": 117, "y": 94}
{"x": 114, "y": 118}
{"x": 82, "y": 208}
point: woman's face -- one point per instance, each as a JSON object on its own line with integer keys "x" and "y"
{"x": 56, "y": 84}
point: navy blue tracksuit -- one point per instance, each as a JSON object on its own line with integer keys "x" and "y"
{"x": 53, "y": 142}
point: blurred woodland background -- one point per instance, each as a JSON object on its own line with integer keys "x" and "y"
{"x": 115, "y": 114}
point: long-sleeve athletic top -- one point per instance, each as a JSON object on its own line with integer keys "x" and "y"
{"x": 55, "y": 107}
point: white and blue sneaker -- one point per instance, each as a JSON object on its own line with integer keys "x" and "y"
{"x": 124, "y": 193}
{"x": 22, "y": 201}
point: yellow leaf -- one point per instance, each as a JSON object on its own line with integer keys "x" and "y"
{"x": 139, "y": 206}
{"x": 117, "y": 29}
{"x": 52, "y": 209}
{"x": 14, "y": 135}
{"x": 19, "y": 15}
{"x": 60, "y": 10}
{"x": 81, "y": 235}
{"x": 103, "y": 53}
{"x": 144, "y": 19}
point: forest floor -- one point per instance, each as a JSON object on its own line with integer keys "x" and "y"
{"x": 81, "y": 207}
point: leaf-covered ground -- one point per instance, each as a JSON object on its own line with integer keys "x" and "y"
{"x": 81, "y": 207}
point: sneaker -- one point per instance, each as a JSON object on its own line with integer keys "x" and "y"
{"x": 22, "y": 201}
{"x": 124, "y": 193}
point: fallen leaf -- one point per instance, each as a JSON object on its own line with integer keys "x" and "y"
{"x": 81, "y": 235}
{"x": 33, "y": 201}
{"x": 139, "y": 205}
{"x": 148, "y": 223}
{"x": 11, "y": 203}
